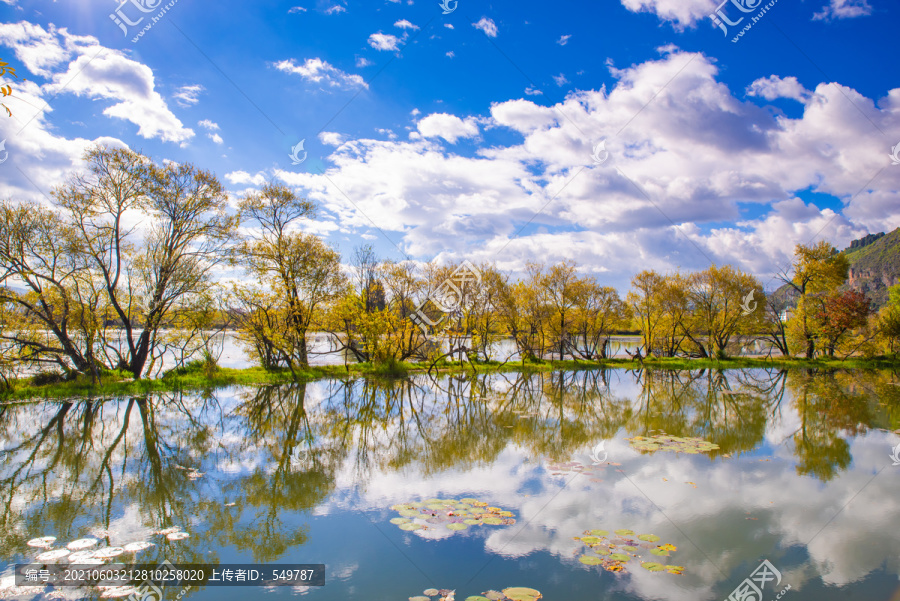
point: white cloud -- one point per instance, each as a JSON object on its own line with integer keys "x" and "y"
{"x": 187, "y": 96}
{"x": 450, "y": 54}
{"x": 331, "y": 138}
{"x": 681, "y": 13}
{"x": 532, "y": 91}
{"x": 560, "y": 80}
{"x": 448, "y": 127}
{"x": 773, "y": 87}
{"x": 244, "y": 178}
{"x": 487, "y": 26}
{"x": 215, "y": 138}
{"x": 207, "y": 124}
{"x": 336, "y": 9}
{"x": 448, "y": 25}
{"x": 362, "y": 61}
{"x": 844, "y": 9}
{"x": 319, "y": 71}
{"x": 296, "y": 9}
{"x": 404, "y": 24}
{"x": 383, "y": 41}
{"x": 563, "y": 40}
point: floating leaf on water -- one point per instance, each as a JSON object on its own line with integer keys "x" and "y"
{"x": 659, "y": 552}
{"x": 598, "y": 532}
{"x": 170, "y": 530}
{"x": 630, "y": 549}
{"x": 600, "y": 550}
{"x": 52, "y": 555}
{"x": 436, "y": 506}
{"x": 399, "y": 521}
{"x": 82, "y": 543}
{"x": 117, "y": 592}
{"x": 625, "y": 532}
{"x": 108, "y": 552}
{"x": 457, "y": 526}
{"x": 650, "y": 538}
{"x": 620, "y": 557}
{"x": 177, "y": 535}
{"x": 419, "y": 598}
{"x": 590, "y": 540}
{"x": 653, "y": 566}
{"x": 411, "y": 526}
{"x": 468, "y": 500}
{"x": 81, "y": 557}
{"x": 521, "y": 593}
{"x": 668, "y": 547}
{"x": 472, "y": 522}
{"x": 401, "y": 507}
{"x": 590, "y": 560}
{"x": 492, "y": 521}
{"x": 506, "y": 514}
{"x": 494, "y": 595}
{"x": 614, "y": 567}
{"x": 431, "y": 592}
{"x": 675, "y": 569}
{"x": 137, "y": 546}
{"x": 410, "y": 513}
{"x": 479, "y": 504}
{"x": 44, "y": 542}
{"x": 477, "y": 598}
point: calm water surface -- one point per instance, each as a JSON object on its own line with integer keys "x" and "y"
{"x": 803, "y": 478}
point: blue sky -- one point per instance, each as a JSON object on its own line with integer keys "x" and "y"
{"x": 470, "y": 135}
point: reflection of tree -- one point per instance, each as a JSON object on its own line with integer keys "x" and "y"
{"x": 67, "y": 468}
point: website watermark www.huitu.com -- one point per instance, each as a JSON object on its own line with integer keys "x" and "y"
{"x": 121, "y": 17}
{"x": 721, "y": 20}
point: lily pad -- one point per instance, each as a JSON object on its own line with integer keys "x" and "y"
{"x": 492, "y": 521}
{"x": 53, "y": 555}
{"x": 411, "y": 526}
{"x": 410, "y": 513}
{"x": 675, "y": 569}
{"x": 600, "y": 550}
{"x": 650, "y": 538}
{"x": 598, "y": 532}
{"x": 398, "y": 521}
{"x": 660, "y": 552}
{"x": 137, "y": 546}
{"x": 590, "y": 540}
{"x": 177, "y": 536}
{"x": 625, "y": 532}
{"x": 590, "y": 560}
{"x": 456, "y": 526}
{"x": 653, "y": 566}
{"x": 477, "y": 598}
{"x": 108, "y": 552}
{"x": 472, "y": 522}
{"x": 44, "y": 542}
{"x": 82, "y": 543}
{"x": 521, "y": 593}
{"x": 419, "y": 598}
{"x": 619, "y": 557}
{"x": 431, "y": 592}
{"x": 494, "y": 595}
{"x": 630, "y": 549}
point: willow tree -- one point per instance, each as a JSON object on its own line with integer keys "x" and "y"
{"x": 125, "y": 247}
{"x": 296, "y": 273}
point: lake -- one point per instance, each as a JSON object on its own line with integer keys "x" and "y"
{"x": 477, "y": 484}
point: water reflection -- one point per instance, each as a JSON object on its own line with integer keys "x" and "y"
{"x": 271, "y": 457}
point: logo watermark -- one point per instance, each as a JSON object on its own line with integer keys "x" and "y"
{"x": 751, "y": 589}
{"x": 448, "y": 297}
{"x": 600, "y": 154}
{"x": 445, "y": 4}
{"x": 746, "y": 307}
{"x": 5, "y": 152}
{"x": 595, "y": 453}
{"x": 895, "y": 155}
{"x": 720, "y": 19}
{"x": 295, "y": 153}
{"x": 896, "y": 455}
{"x": 145, "y": 7}
{"x": 149, "y": 591}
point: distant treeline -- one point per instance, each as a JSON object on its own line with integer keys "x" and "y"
{"x": 121, "y": 270}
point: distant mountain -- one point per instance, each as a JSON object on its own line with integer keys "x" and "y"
{"x": 874, "y": 265}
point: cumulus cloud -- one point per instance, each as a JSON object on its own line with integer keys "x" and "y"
{"x": 296, "y": 9}
{"x": 773, "y": 87}
{"x": 79, "y": 65}
{"x": 487, "y": 26}
{"x": 336, "y": 9}
{"x": 448, "y": 127}
{"x": 384, "y": 41}
{"x": 207, "y": 124}
{"x": 681, "y": 13}
{"x": 844, "y": 9}
{"x": 317, "y": 70}
{"x": 563, "y": 40}
{"x": 404, "y": 24}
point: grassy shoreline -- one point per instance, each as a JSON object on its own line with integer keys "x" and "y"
{"x": 112, "y": 386}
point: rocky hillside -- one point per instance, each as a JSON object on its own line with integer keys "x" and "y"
{"x": 875, "y": 265}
